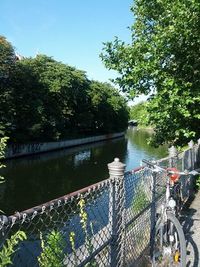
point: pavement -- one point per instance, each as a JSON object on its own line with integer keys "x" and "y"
{"x": 191, "y": 227}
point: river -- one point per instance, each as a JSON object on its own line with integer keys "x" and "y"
{"x": 37, "y": 179}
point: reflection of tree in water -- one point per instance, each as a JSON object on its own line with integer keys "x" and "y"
{"x": 2, "y": 191}
{"x": 37, "y": 179}
{"x": 139, "y": 139}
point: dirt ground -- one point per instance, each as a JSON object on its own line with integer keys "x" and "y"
{"x": 191, "y": 227}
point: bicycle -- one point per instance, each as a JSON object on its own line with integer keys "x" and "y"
{"x": 169, "y": 245}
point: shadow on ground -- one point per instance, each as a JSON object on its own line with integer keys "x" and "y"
{"x": 191, "y": 227}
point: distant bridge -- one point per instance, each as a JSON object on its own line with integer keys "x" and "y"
{"x": 132, "y": 123}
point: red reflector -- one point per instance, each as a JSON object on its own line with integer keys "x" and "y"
{"x": 174, "y": 176}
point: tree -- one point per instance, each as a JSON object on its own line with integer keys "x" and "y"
{"x": 108, "y": 107}
{"x": 163, "y": 61}
{"x": 48, "y": 99}
{"x": 26, "y": 102}
{"x": 42, "y": 99}
{"x": 139, "y": 113}
{"x": 7, "y": 58}
{"x": 65, "y": 98}
{"x": 7, "y": 64}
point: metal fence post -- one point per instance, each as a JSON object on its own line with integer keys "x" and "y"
{"x": 117, "y": 212}
{"x": 198, "y": 154}
{"x": 153, "y": 214}
{"x": 191, "y": 166}
{"x": 3, "y": 223}
{"x": 173, "y": 157}
{"x": 191, "y": 147}
{"x": 198, "y": 142}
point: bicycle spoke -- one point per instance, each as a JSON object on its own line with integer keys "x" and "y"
{"x": 169, "y": 249}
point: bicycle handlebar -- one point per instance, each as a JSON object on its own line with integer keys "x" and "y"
{"x": 148, "y": 162}
{"x": 158, "y": 168}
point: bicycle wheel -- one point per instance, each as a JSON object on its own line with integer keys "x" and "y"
{"x": 169, "y": 246}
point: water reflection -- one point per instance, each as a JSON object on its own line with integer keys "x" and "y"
{"x": 138, "y": 147}
{"x": 36, "y": 179}
{"x": 81, "y": 157}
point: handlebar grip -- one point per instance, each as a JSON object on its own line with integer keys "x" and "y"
{"x": 148, "y": 162}
{"x": 156, "y": 168}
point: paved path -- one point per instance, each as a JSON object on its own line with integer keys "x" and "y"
{"x": 191, "y": 218}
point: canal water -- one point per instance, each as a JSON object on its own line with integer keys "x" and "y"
{"x": 37, "y": 179}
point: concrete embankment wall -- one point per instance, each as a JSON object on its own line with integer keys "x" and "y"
{"x": 18, "y": 150}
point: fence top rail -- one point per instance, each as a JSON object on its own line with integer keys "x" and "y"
{"x": 163, "y": 159}
{"x": 63, "y": 199}
{"x": 180, "y": 154}
{"x": 42, "y": 207}
{"x": 18, "y": 216}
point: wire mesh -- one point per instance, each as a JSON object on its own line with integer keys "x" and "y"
{"x": 76, "y": 224}
{"x": 106, "y": 224}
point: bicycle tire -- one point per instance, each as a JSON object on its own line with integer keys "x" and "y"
{"x": 171, "y": 219}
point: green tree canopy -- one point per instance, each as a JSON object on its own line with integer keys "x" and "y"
{"x": 163, "y": 61}
{"x": 139, "y": 113}
{"x": 7, "y": 64}
{"x": 108, "y": 107}
{"x": 7, "y": 58}
{"x": 42, "y": 99}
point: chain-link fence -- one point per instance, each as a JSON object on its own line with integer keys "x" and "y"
{"x": 106, "y": 224}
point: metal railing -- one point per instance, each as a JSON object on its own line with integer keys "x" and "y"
{"x": 105, "y": 224}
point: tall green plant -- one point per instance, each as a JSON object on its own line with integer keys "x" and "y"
{"x": 72, "y": 242}
{"x": 84, "y": 223}
{"x": 10, "y": 247}
{"x": 3, "y": 142}
{"x": 52, "y": 254}
{"x": 11, "y": 244}
{"x": 140, "y": 200}
{"x": 53, "y": 245}
{"x": 197, "y": 182}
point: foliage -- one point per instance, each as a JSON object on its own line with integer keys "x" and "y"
{"x": 108, "y": 108}
{"x": 7, "y": 63}
{"x": 52, "y": 254}
{"x": 162, "y": 61}
{"x": 72, "y": 242}
{"x": 3, "y": 142}
{"x": 140, "y": 200}
{"x": 84, "y": 221}
{"x": 139, "y": 113}
{"x": 42, "y": 100}
{"x": 7, "y": 58}
{"x": 139, "y": 137}
{"x": 8, "y": 249}
{"x": 197, "y": 182}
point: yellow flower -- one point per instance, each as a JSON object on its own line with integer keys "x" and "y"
{"x": 81, "y": 203}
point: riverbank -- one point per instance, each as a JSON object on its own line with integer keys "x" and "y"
{"x": 147, "y": 128}
{"x": 19, "y": 150}
{"x": 36, "y": 179}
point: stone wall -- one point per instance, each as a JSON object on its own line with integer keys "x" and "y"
{"x": 18, "y": 150}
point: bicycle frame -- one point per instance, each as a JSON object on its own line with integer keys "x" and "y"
{"x": 169, "y": 241}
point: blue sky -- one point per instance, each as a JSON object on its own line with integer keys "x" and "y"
{"x": 71, "y": 31}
